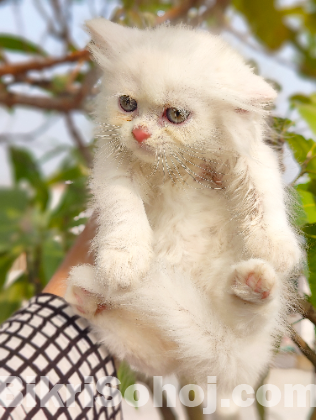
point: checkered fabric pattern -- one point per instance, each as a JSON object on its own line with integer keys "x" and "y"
{"x": 51, "y": 366}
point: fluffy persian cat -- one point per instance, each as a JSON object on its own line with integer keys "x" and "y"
{"x": 194, "y": 248}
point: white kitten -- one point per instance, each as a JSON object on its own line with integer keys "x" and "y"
{"x": 194, "y": 248}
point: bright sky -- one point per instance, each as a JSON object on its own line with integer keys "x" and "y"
{"x": 22, "y": 18}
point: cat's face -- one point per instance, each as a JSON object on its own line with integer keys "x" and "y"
{"x": 169, "y": 88}
{"x": 155, "y": 114}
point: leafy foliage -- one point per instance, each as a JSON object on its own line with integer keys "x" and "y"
{"x": 306, "y": 106}
{"x": 275, "y": 27}
{"x": 33, "y": 228}
{"x": 304, "y": 151}
{"x": 277, "y": 33}
{"x": 17, "y": 44}
{"x": 127, "y": 377}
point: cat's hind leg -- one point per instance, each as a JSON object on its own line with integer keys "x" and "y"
{"x": 83, "y": 292}
{"x": 255, "y": 299}
{"x": 254, "y": 280}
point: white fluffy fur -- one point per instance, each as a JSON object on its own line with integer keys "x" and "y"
{"x": 182, "y": 268}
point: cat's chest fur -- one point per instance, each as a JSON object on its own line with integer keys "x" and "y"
{"x": 190, "y": 226}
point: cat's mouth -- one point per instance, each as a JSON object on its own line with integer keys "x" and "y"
{"x": 147, "y": 148}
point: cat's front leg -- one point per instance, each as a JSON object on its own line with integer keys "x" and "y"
{"x": 84, "y": 293}
{"x": 123, "y": 243}
{"x": 123, "y": 262}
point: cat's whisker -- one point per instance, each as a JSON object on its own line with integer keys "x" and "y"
{"x": 203, "y": 147}
{"x": 158, "y": 157}
{"x": 183, "y": 166}
{"x": 115, "y": 149}
{"x": 182, "y": 159}
{"x": 163, "y": 168}
{"x": 200, "y": 176}
{"x": 199, "y": 157}
{"x": 196, "y": 176}
{"x": 201, "y": 167}
{"x": 112, "y": 146}
{"x": 156, "y": 167}
{"x": 192, "y": 149}
{"x": 113, "y": 126}
{"x": 177, "y": 170}
{"x": 168, "y": 167}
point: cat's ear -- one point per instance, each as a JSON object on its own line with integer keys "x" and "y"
{"x": 255, "y": 91}
{"x": 259, "y": 91}
{"x": 108, "y": 39}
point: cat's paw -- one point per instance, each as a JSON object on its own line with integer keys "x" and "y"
{"x": 122, "y": 269}
{"x": 83, "y": 293}
{"x": 254, "y": 281}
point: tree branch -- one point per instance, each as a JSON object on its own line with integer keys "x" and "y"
{"x": 90, "y": 79}
{"x": 61, "y": 104}
{"x": 19, "y": 68}
{"x": 61, "y": 17}
{"x": 307, "y": 310}
{"x": 177, "y": 12}
{"x": 65, "y": 102}
{"x": 78, "y": 139}
{"x": 303, "y": 346}
{"x": 217, "y": 10}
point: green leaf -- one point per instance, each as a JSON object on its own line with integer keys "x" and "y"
{"x": 25, "y": 168}
{"x": 296, "y": 10}
{"x": 298, "y": 215}
{"x": 8, "y": 308}
{"x": 127, "y": 377}
{"x": 306, "y": 106}
{"x": 266, "y": 22}
{"x": 6, "y": 261}
{"x": 281, "y": 125}
{"x": 310, "y": 230}
{"x": 15, "y": 43}
{"x": 310, "y": 234}
{"x": 309, "y": 205}
{"x": 310, "y": 22}
{"x": 11, "y": 298}
{"x": 52, "y": 256}
{"x": 78, "y": 222}
{"x": 308, "y": 112}
{"x": 13, "y": 199}
{"x": 60, "y": 82}
{"x": 14, "y": 204}
{"x": 72, "y": 203}
{"x": 66, "y": 174}
{"x": 299, "y": 99}
{"x": 302, "y": 148}
{"x": 74, "y": 198}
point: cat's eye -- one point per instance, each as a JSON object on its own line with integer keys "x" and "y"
{"x": 176, "y": 116}
{"x": 127, "y": 103}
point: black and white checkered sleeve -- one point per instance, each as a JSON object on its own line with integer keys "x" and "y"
{"x": 51, "y": 366}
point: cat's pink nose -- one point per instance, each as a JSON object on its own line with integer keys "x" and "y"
{"x": 140, "y": 134}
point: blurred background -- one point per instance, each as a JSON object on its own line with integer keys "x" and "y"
{"x": 47, "y": 81}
